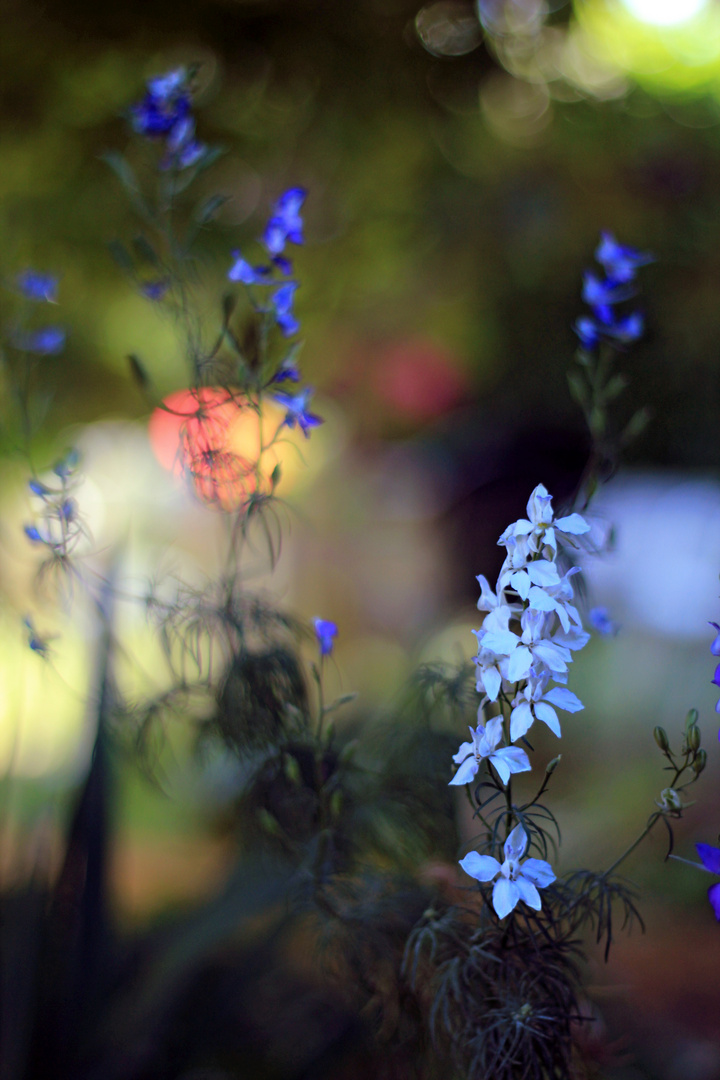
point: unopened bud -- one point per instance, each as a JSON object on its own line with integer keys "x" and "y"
{"x": 661, "y": 739}
{"x": 336, "y": 801}
{"x": 552, "y": 765}
{"x": 691, "y": 719}
{"x": 700, "y": 762}
{"x": 693, "y": 738}
{"x": 670, "y": 800}
{"x": 348, "y": 751}
{"x": 268, "y": 822}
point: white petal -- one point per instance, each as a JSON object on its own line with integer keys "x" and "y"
{"x": 519, "y": 664}
{"x": 501, "y": 642}
{"x": 481, "y": 867}
{"x": 543, "y": 572}
{"x": 502, "y": 767}
{"x": 573, "y": 523}
{"x": 538, "y": 871}
{"x": 516, "y": 758}
{"x": 564, "y": 699}
{"x": 465, "y": 749}
{"x": 521, "y": 583}
{"x": 540, "y": 601}
{"x": 493, "y": 732}
{"x": 466, "y": 772}
{"x": 528, "y": 892}
{"x": 488, "y": 600}
{"x": 547, "y": 714}
{"x": 505, "y": 896}
{"x": 521, "y": 720}
{"x": 553, "y": 655}
{"x": 516, "y": 843}
{"x": 491, "y": 681}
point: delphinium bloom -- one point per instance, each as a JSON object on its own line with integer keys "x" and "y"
{"x": 37, "y": 286}
{"x": 711, "y": 862}
{"x": 516, "y": 880}
{"x": 484, "y": 744}
{"x": 325, "y": 632}
{"x": 602, "y": 294}
{"x": 715, "y": 651}
{"x": 165, "y": 113}
{"x": 296, "y": 406}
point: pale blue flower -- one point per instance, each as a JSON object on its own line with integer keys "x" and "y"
{"x": 534, "y": 702}
{"x": 484, "y": 744}
{"x": 516, "y": 880}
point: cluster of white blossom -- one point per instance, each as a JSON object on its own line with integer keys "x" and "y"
{"x": 526, "y": 643}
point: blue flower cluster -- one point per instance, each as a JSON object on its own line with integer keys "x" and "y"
{"x": 165, "y": 113}
{"x": 38, "y": 287}
{"x": 619, "y": 264}
{"x": 59, "y": 527}
{"x": 284, "y": 226}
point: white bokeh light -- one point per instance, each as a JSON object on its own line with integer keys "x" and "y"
{"x": 664, "y": 12}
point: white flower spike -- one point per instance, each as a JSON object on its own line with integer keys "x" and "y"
{"x": 517, "y": 880}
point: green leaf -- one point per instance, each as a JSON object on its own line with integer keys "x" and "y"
{"x": 636, "y": 425}
{"x": 614, "y": 387}
{"x": 125, "y": 174}
{"x": 138, "y": 372}
{"x": 579, "y": 389}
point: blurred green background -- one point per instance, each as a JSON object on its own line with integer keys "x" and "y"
{"x": 461, "y": 160}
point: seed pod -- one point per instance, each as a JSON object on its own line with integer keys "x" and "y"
{"x": 552, "y": 765}
{"x": 693, "y": 738}
{"x": 691, "y": 719}
{"x": 700, "y": 762}
{"x": 661, "y": 739}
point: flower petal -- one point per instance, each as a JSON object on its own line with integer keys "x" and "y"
{"x": 516, "y": 843}
{"x": 516, "y": 758}
{"x": 480, "y": 867}
{"x": 538, "y": 871}
{"x": 528, "y": 892}
{"x": 564, "y": 699}
{"x": 521, "y": 720}
{"x": 505, "y": 896}
{"x": 573, "y": 523}
{"x": 466, "y": 772}
{"x": 710, "y": 857}
{"x": 714, "y": 898}
{"x": 547, "y": 714}
{"x": 502, "y": 767}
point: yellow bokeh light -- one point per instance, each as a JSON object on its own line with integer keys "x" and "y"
{"x": 668, "y": 46}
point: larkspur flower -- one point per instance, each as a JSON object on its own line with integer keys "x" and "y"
{"x": 282, "y": 302}
{"x": 711, "y": 862}
{"x": 155, "y": 290}
{"x": 600, "y": 620}
{"x": 285, "y": 223}
{"x": 516, "y": 880}
{"x": 325, "y": 632}
{"x": 166, "y": 104}
{"x": 535, "y": 702}
{"x": 296, "y": 406}
{"x": 484, "y": 744}
{"x": 619, "y": 262}
{"x": 37, "y": 287}
{"x": 47, "y": 341}
{"x": 242, "y": 271}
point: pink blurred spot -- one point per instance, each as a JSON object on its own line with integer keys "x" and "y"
{"x": 418, "y": 379}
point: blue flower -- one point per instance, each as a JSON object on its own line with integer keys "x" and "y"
{"x": 166, "y": 103}
{"x": 183, "y": 149}
{"x": 288, "y": 370}
{"x": 711, "y": 861}
{"x": 155, "y": 290}
{"x": 297, "y": 412}
{"x": 285, "y": 223}
{"x": 602, "y": 294}
{"x": 242, "y": 271}
{"x": 516, "y": 880}
{"x": 33, "y": 534}
{"x": 618, "y": 261}
{"x": 47, "y": 341}
{"x": 282, "y": 301}
{"x": 36, "y": 286}
{"x": 601, "y": 621}
{"x": 36, "y": 643}
{"x": 325, "y": 631}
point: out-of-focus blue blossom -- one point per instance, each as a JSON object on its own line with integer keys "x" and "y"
{"x": 38, "y": 488}
{"x": 38, "y": 287}
{"x": 601, "y": 621}
{"x": 155, "y": 290}
{"x": 282, "y": 301}
{"x": 166, "y": 103}
{"x": 297, "y": 410}
{"x": 183, "y": 149}
{"x": 618, "y": 261}
{"x": 711, "y": 862}
{"x": 36, "y": 643}
{"x": 602, "y": 294}
{"x": 325, "y": 632}
{"x": 48, "y": 341}
{"x": 242, "y": 271}
{"x": 288, "y": 370}
{"x": 285, "y": 223}
{"x": 715, "y": 647}
{"x": 66, "y": 466}
{"x": 33, "y": 534}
